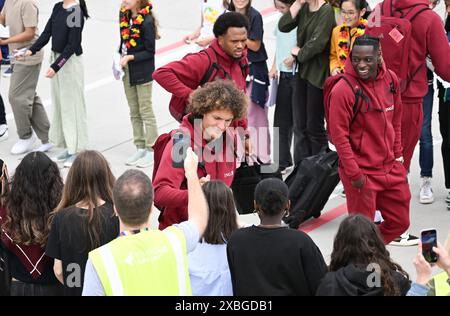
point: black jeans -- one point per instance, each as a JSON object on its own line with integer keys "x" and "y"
{"x": 444, "y": 126}
{"x": 283, "y": 117}
{"x": 2, "y": 112}
{"x": 309, "y": 124}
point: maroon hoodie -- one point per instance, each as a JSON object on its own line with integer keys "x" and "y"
{"x": 373, "y": 141}
{"x": 428, "y": 38}
{"x": 184, "y": 76}
{"x": 170, "y": 184}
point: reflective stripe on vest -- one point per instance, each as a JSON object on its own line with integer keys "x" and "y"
{"x": 111, "y": 271}
{"x": 177, "y": 249}
{"x": 148, "y": 263}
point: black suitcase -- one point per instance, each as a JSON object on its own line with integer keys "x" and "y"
{"x": 310, "y": 186}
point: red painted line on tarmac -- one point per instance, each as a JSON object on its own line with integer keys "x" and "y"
{"x": 179, "y": 44}
{"x": 170, "y": 47}
{"x": 311, "y": 224}
{"x": 325, "y": 218}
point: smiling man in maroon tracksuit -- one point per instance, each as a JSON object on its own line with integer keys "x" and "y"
{"x": 368, "y": 139}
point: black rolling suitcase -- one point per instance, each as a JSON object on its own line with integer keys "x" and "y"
{"x": 310, "y": 186}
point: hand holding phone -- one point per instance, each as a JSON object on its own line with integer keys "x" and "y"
{"x": 429, "y": 240}
{"x": 181, "y": 143}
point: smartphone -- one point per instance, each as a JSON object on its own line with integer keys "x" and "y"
{"x": 429, "y": 240}
{"x": 181, "y": 143}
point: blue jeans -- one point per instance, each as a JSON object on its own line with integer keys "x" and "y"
{"x": 426, "y": 138}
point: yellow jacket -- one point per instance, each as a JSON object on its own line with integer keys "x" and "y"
{"x": 337, "y": 50}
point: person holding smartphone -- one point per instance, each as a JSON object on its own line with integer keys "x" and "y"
{"x": 424, "y": 269}
{"x": 213, "y": 108}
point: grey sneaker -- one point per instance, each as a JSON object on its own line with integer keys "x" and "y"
{"x": 69, "y": 161}
{"x": 61, "y": 157}
{"x": 145, "y": 161}
{"x": 133, "y": 160}
{"x": 426, "y": 192}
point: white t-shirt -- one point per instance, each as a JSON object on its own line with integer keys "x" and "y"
{"x": 211, "y": 10}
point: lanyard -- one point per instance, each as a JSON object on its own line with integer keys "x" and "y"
{"x": 132, "y": 232}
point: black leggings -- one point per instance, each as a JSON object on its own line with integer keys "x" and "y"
{"x": 444, "y": 126}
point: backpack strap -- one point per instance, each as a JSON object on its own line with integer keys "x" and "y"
{"x": 415, "y": 11}
{"x": 358, "y": 95}
{"x": 210, "y": 70}
{"x": 210, "y": 75}
{"x": 392, "y": 84}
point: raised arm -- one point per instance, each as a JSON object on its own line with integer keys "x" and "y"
{"x": 197, "y": 205}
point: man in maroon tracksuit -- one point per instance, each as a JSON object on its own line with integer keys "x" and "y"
{"x": 228, "y": 51}
{"x": 368, "y": 139}
{"x": 428, "y": 38}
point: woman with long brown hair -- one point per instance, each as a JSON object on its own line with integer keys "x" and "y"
{"x": 207, "y": 264}
{"x": 361, "y": 265}
{"x": 83, "y": 220}
{"x": 34, "y": 192}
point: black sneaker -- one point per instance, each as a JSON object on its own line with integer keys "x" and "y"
{"x": 405, "y": 240}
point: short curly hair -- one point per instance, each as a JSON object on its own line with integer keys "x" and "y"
{"x": 218, "y": 95}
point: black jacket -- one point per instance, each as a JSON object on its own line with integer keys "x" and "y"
{"x": 142, "y": 67}
{"x": 353, "y": 281}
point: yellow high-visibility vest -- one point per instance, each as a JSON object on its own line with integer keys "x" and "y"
{"x": 441, "y": 287}
{"x": 148, "y": 263}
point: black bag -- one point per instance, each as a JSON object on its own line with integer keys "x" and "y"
{"x": 310, "y": 186}
{"x": 245, "y": 180}
{"x": 5, "y": 274}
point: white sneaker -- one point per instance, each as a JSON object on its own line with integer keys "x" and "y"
{"x": 3, "y": 132}
{"x": 405, "y": 240}
{"x": 133, "y": 160}
{"x": 145, "y": 161}
{"x": 426, "y": 192}
{"x": 24, "y": 145}
{"x": 378, "y": 218}
{"x": 45, "y": 147}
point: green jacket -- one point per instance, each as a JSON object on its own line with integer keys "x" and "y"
{"x": 313, "y": 38}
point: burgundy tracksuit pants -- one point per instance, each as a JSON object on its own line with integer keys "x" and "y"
{"x": 412, "y": 118}
{"x": 388, "y": 193}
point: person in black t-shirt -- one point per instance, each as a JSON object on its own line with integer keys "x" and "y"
{"x": 84, "y": 219}
{"x": 271, "y": 259}
{"x": 360, "y": 263}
